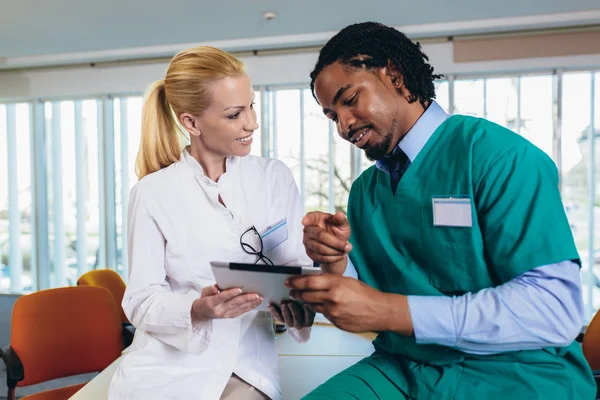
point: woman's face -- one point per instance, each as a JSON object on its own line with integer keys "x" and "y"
{"x": 225, "y": 128}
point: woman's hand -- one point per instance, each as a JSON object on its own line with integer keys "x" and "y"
{"x": 229, "y": 303}
{"x": 293, "y": 314}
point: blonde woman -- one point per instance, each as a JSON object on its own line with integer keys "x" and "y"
{"x": 194, "y": 205}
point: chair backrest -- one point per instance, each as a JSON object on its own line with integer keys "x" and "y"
{"x": 591, "y": 342}
{"x": 108, "y": 279}
{"x": 65, "y": 331}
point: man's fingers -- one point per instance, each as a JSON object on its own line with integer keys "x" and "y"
{"x": 324, "y": 259}
{"x": 320, "y": 248}
{"x": 297, "y": 314}
{"x": 340, "y": 221}
{"x": 312, "y": 282}
{"x": 320, "y": 308}
{"x": 309, "y": 296}
{"x": 325, "y": 237}
{"x": 287, "y": 315}
{"x": 316, "y": 218}
{"x": 309, "y": 315}
{"x": 276, "y": 313}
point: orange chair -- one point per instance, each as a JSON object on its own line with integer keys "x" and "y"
{"x": 112, "y": 281}
{"x": 108, "y": 279}
{"x": 61, "y": 332}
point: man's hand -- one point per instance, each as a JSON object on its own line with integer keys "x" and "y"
{"x": 326, "y": 240}
{"x": 293, "y": 314}
{"x": 352, "y": 305}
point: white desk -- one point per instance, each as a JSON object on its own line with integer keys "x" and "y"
{"x": 328, "y": 352}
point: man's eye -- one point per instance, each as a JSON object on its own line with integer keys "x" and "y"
{"x": 349, "y": 101}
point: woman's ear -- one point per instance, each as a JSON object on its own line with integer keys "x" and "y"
{"x": 191, "y": 124}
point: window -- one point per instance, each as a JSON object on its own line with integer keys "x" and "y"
{"x": 256, "y": 138}
{"x": 94, "y": 141}
{"x": 442, "y": 94}
{"x": 469, "y": 97}
{"x": 501, "y": 102}
{"x": 536, "y": 121}
{"x": 4, "y": 236}
{"x": 128, "y": 129}
{"x": 72, "y": 189}
{"x": 594, "y": 245}
{"x": 307, "y": 142}
{"x": 16, "y": 212}
{"x": 317, "y": 131}
{"x": 576, "y": 170}
{"x": 288, "y": 130}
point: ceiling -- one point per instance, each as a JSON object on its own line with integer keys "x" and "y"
{"x": 40, "y": 28}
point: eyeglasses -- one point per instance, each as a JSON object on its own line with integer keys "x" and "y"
{"x": 252, "y": 243}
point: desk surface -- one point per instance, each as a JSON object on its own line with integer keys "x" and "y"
{"x": 328, "y": 352}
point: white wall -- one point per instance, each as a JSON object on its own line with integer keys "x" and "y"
{"x": 286, "y": 69}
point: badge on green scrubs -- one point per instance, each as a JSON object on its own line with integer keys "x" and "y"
{"x": 452, "y": 211}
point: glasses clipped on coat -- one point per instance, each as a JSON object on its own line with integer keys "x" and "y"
{"x": 252, "y": 243}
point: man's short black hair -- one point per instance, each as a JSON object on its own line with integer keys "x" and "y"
{"x": 371, "y": 45}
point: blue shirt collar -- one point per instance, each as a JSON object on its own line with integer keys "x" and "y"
{"x": 414, "y": 141}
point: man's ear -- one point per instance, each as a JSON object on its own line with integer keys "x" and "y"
{"x": 394, "y": 75}
{"x": 191, "y": 124}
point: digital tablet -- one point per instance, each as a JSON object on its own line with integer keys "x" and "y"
{"x": 266, "y": 280}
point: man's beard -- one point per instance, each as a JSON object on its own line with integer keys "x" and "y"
{"x": 377, "y": 152}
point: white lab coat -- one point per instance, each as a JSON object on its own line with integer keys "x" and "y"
{"x": 176, "y": 227}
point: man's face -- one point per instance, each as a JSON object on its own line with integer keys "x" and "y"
{"x": 370, "y": 111}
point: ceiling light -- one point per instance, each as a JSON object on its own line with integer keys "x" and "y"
{"x": 269, "y": 15}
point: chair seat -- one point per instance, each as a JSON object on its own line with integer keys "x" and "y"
{"x": 62, "y": 393}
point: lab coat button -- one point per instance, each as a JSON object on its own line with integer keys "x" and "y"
{"x": 262, "y": 381}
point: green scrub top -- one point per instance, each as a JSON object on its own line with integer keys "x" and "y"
{"x": 517, "y": 223}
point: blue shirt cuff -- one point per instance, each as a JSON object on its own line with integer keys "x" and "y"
{"x": 433, "y": 320}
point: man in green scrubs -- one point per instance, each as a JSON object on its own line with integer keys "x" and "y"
{"x": 466, "y": 263}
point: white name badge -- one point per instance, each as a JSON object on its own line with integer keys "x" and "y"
{"x": 274, "y": 235}
{"x": 452, "y": 211}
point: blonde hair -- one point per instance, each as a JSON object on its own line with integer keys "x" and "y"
{"x": 185, "y": 89}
